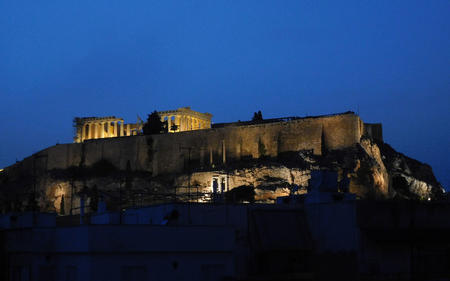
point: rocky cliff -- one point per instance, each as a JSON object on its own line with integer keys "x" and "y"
{"x": 373, "y": 170}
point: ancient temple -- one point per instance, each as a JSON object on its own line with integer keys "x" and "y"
{"x": 184, "y": 119}
{"x": 103, "y": 127}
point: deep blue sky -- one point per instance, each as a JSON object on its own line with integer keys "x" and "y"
{"x": 388, "y": 59}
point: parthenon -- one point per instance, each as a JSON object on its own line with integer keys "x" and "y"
{"x": 103, "y": 127}
{"x": 184, "y": 118}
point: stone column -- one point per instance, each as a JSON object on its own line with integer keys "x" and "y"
{"x": 121, "y": 129}
{"x": 115, "y": 129}
{"x": 94, "y": 130}
{"x": 128, "y": 130}
{"x": 97, "y": 130}
{"x": 88, "y": 131}
{"x": 102, "y": 130}
{"x": 110, "y": 130}
{"x": 169, "y": 123}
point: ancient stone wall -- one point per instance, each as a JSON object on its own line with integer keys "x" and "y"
{"x": 373, "y": 131}
{"x": 174, "y": 153}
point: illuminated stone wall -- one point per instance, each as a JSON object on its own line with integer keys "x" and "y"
{"x": 218, "y": 146}
{"x": 174, "y": 155}
{"x": 170, "y": 153}
{"x": 375, "y": 131}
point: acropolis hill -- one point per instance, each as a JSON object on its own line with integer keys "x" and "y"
{"x": 197, "y": 160}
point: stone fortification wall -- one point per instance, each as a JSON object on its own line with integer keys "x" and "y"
{"x": 216, "y": 146}
{"x": 173, "y": 153}
{"x": 374, "y": 131}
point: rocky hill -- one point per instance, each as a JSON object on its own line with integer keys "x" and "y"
{"x": 373, "y": 170}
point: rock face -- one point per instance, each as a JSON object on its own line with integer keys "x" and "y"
{"x": 377, "y": 170}
{"x": 374, "y": 170}
{"x": 410, "y": 178}
{"x": 268, "y": 180}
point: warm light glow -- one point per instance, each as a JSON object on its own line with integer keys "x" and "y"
{"x": 59, "y": 191}
{"x": 1, "y": 170}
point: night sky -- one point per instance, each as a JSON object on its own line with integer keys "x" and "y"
{"x": 388, "y": 60}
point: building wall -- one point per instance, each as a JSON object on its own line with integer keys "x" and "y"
{"x": 119, "y": 252}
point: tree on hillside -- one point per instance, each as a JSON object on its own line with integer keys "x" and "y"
{"x": 154, "y": 125}
{"x": 257, "y": 116}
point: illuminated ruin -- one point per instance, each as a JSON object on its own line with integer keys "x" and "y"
{"x": 179, "y": 120}
{"x": 186, "y": 119}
